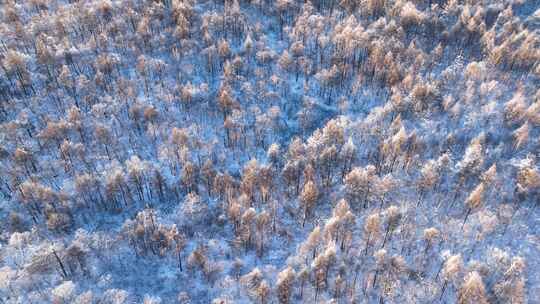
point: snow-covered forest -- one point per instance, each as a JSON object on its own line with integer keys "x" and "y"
{"x": 269, "y": 151}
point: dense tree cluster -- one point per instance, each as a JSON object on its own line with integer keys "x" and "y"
{"x": 256, "y": 151}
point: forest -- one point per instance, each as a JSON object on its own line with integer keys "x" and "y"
{"x": 269, "y": 151}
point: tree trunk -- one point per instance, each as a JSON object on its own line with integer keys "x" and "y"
{"x": 60, "y": 263}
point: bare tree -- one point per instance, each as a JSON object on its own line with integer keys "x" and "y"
{"x": 308, "y": 199}
{"x": 393, "y": 218}
{"x": 371, "y": 229}
{"x": 358, "y": 184}
{"x": 284, "y": 285}
{"x": 472, "y": 290}
{"x": 474, "y": 200}
{"x": 451, "y": 271}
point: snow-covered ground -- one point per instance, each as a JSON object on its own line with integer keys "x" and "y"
{"x": 184, "y": 151}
